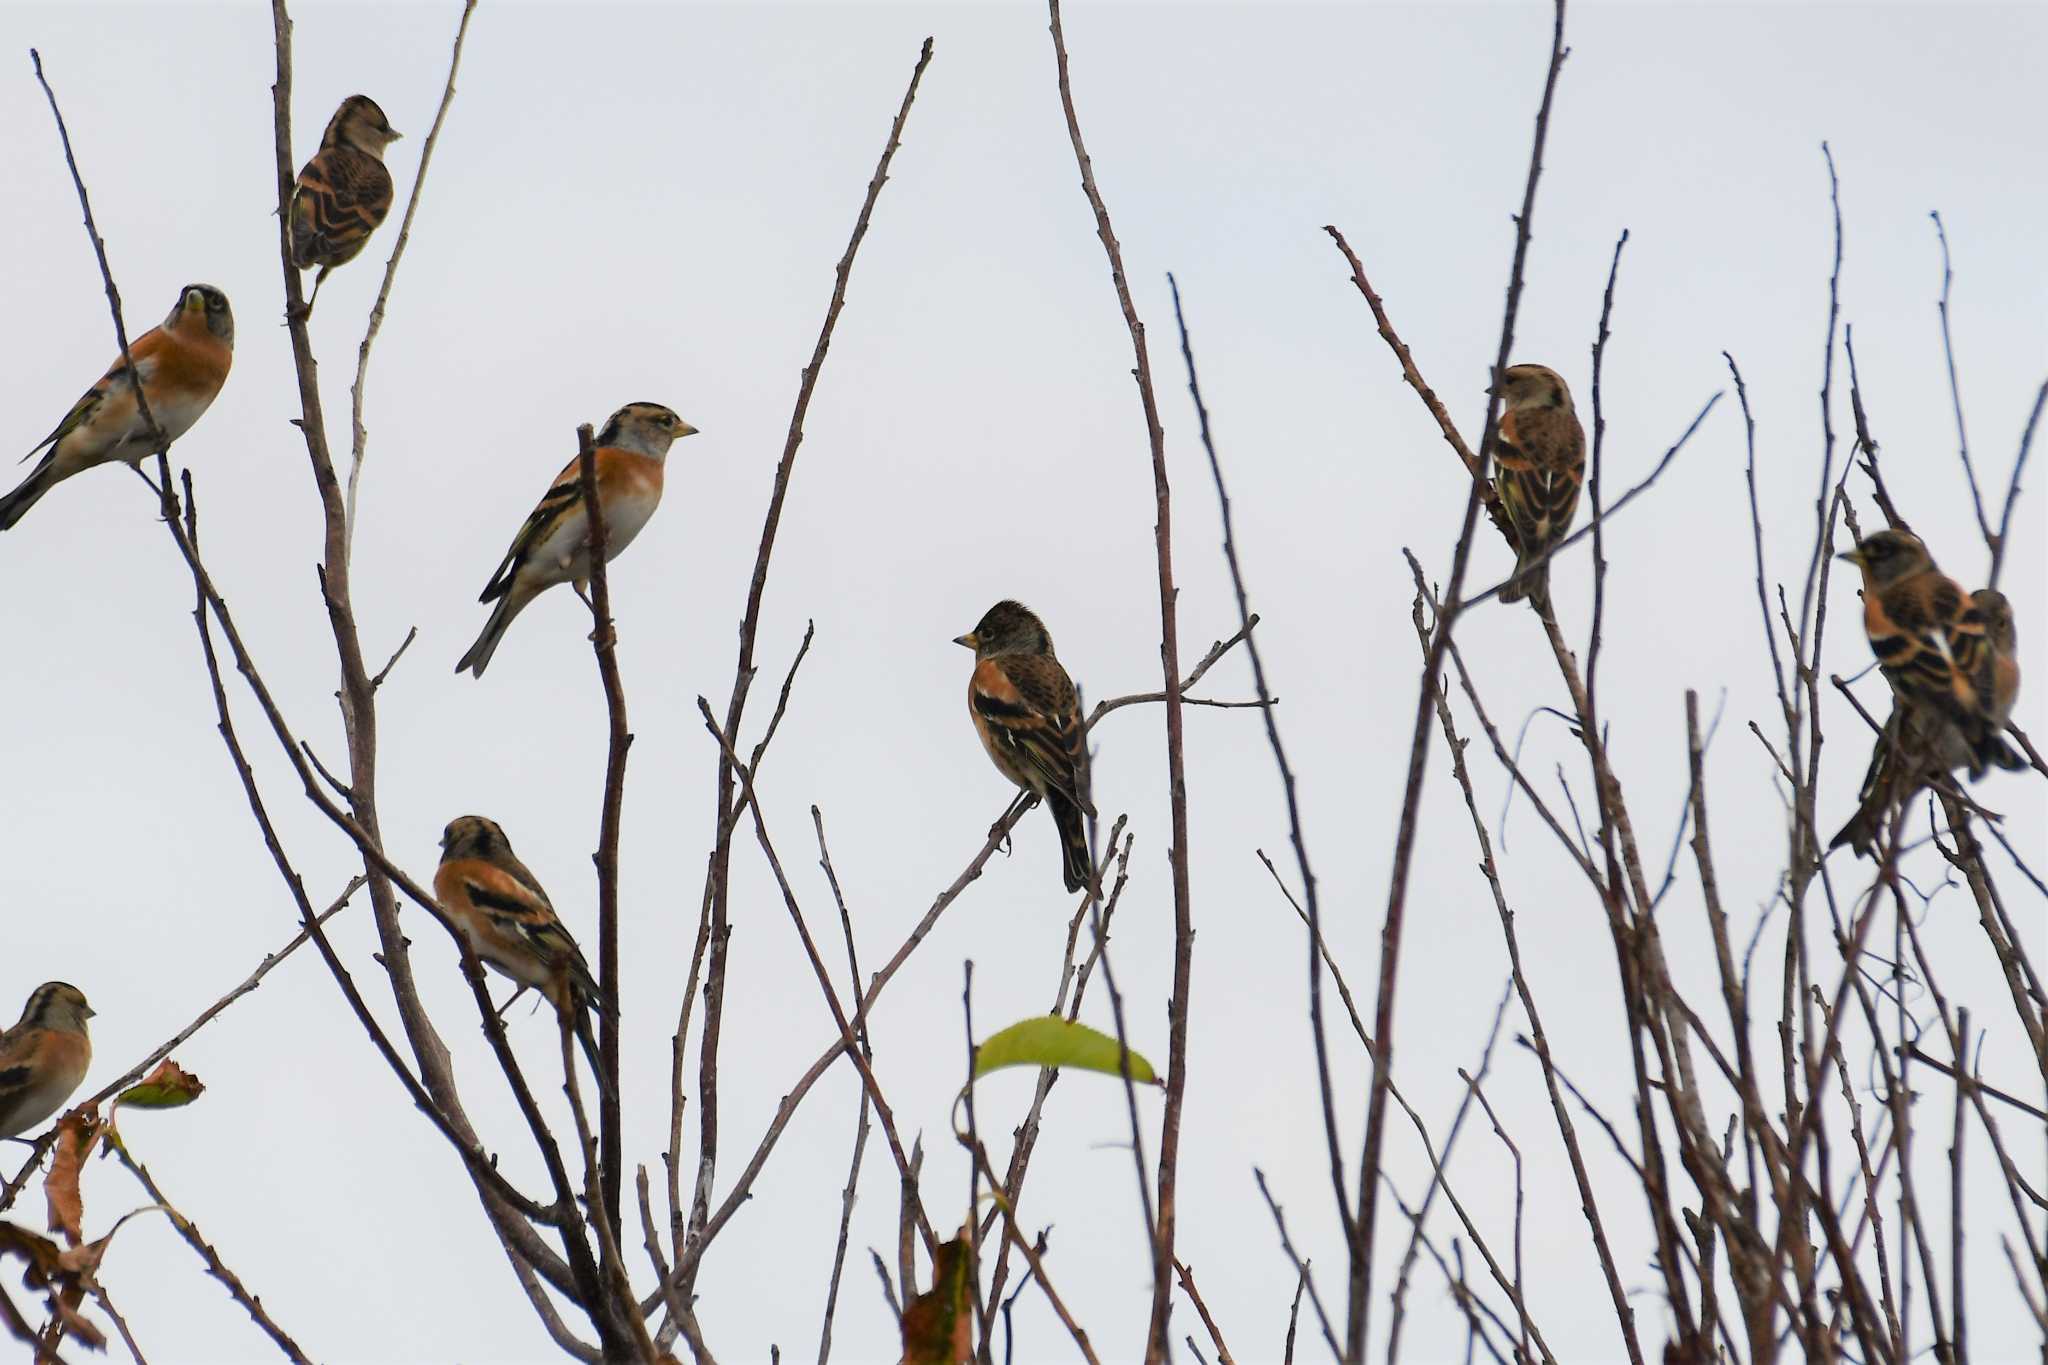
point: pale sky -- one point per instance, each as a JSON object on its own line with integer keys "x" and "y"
{"x": 645, "y": 203}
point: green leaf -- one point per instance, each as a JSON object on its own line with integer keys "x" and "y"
{"x": 1049, "y": 1040}
{"x": 168, "y": 1087}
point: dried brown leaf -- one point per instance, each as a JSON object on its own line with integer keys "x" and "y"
{"x": 75, "y": 1134}
{"x": 938, "y": 1325}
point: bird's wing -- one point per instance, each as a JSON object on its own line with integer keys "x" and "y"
{"x": 1030, "y": 707}
{"x": 564, "y": 495}
{"x": 341, "y": 197}
{"x": 1541, "y": 458}
{"x": 518, "y": 909}
{"x": 144, "y": 350}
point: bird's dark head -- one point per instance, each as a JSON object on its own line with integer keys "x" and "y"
{"x": 473, "y": 836}
{"x": 1888, "y": 556}
{"x": 1007, "y": 628}
{"x": 202, "y": 305}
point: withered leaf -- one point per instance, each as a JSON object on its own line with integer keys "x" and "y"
{"x": 938, "y": 1325}
{"x": 75, "y": 1134}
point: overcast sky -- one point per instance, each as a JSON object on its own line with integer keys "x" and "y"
{"x": 645, "y": 203}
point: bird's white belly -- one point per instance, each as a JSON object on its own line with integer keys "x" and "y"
{"x": 131, "y": 442}
{"x": 35, "y": 1103}
{"x": 565, "y": 554}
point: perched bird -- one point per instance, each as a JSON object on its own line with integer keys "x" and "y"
{"x": 1932, "y": 642}
{"x": 553, "y": 545}
{"x": 43, "y": 1058}
{"x": 505, "y": 918}
{"x": 182, "y": 364}
{"x": 1920, "y": 743}
{"x": 1987, "y": 649}
{"x": 344, "y": 191}
{"x": 1028, "y": 715}
{"x": 1541, "y": 461}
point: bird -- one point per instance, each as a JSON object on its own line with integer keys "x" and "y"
{"x": 553, "y": 545}
{"x": 1028, "y": 714}
{"x": 500, "y": 912}
{"x": 1918, "y": 744}
{"x": 182, "y": 364}
{"x": 344, "y": 192}
{"x": 43, "y": 1058}
{"x": 1540, "y": 455}
{"x": 1932, "y": 642}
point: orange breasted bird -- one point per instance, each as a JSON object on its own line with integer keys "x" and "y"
{"x": 1028, "y": 714}
{"x": 498, "y": 908}
{"x": 182, "y": 365}
{"x": 1540, "y": 459}
{"x": 553, "y": 545}
{"x": 44, "y": 1057}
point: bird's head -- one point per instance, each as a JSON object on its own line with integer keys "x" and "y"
{"x": 472, "y": 836}
{"x": 57, "y": 1005}
{"x": 648, "y": 428}
{"x": 1007, "y": 628}
{"x": 202, "y": 305}
{"x": 1996, "y": 609}
{"x": 1534, "y": 386}
{"x": 360, "y": 124}
{"x": 1889, "y": 556}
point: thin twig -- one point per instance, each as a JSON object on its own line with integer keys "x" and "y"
{"x": 359, "y": 434}
{"x": 1157, "y": 1340}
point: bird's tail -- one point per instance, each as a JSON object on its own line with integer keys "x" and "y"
{"x": 479, "y": 655}
{"x": 1875, "y": 795}
{"x": 15, "y": 505}
{"x": 1861, "y": 831}
{"x": 318, "y": 280}
{"x": 1993, "y": 751}
{"x": 580, "y": 1018}
{"x": 1075, "y": 864}
{"x": 1529, "y": 582}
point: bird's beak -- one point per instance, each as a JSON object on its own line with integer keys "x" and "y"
{"x": 1853, "y": 556}
{"x": 90, "y": 1012}
{"x": 970, "y": 640}
{"x": 395, "y": 135}
{"x": 684, "y": 429}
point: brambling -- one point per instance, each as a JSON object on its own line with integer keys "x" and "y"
{"x": 344, "y": 191}
{"x": 1541, "y": 462}
{"x": 1919, "y": 743}
{"x": 43, "y": 1058}
{"x": 505, "y": 918}
{"x": 182, "y": 364}
{"x": 1028, "y": 715}
{"x": 1928, "y": 637}
{"x": 553, "y": 546}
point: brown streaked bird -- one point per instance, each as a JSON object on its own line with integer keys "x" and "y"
{"x": 44, "y": 1057}
{"x": 1927, "y": 637}
{"x": 1540, "y": 460}
{"x": 1919, "y": 744}
{"x": 182, "y": 365}
{"x": 553, "y": 545}
{"x": 1028, "y": 714}
{"x": 344, "y": 192}
{"x": 498, "y": 908}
